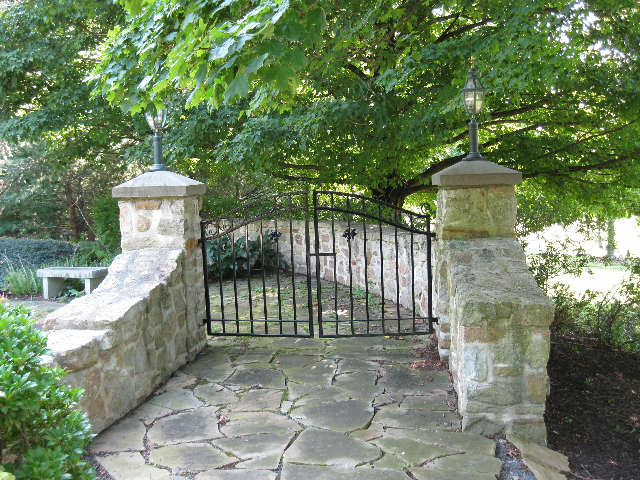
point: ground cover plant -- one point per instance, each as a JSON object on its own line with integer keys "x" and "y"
{"x": 42, "y": 434}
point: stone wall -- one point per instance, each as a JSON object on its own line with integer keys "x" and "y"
{"x": 493, "y": 318}
{"x": 145, "y": 320}
{"x": 380, "y": 268}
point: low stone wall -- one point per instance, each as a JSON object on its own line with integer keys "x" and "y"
{"x": 381, "y": 269}
{"x": 499, "y": 333}
{"x": 144, "y": 321}
{"x": 130, "y": 335}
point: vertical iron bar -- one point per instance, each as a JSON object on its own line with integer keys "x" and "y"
{"x": 246, "y": 246}
{"x": 381, "y": 266}
{"x": 293, "y": 271}
{"x": 350, "y": 272}
{"x": 205, "y": 272}
{"x": 366, "y": 278}
{"x": 413, "y": 283}
{"x": 318, "y": 281}
{"x": 395, "y": 227}
{"x": 335, "y": 266}
{"x": 235, "y": 279}
{"x": 278, "y": 282}
{"x": 264, "y": 283}
{"x": 224, "y": 323}
{"x": 429, "y": 279}
{"x": 307, "y": 243}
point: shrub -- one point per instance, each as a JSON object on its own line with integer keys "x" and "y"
{"x": 223, "y": 259}
{"x": 612, "y": 319}
{"x": 18, "y": 251}
{"x": 554, "y": 261}
{"x": 23, "y": 280}
{"x": 92, "y": 253}
{"x": 42, "y": 434}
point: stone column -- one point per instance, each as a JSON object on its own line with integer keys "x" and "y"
{"x": 494, "y": 318}
{"x": 161, "y": 210}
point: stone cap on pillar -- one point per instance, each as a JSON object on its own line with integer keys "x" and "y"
{"x": 156, "y": 184}
{"x": 476, "y": 173}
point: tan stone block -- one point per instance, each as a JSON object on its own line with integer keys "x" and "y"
{"x": 536, "y": 389}
{"x": 537, "y": 355}
{"x": 170, "y": 226}
{"x": 143, "y": 223}
{"x": 148, "y": 204}
{"x": 177, "y": 207}
{"x": 497, "y": 393}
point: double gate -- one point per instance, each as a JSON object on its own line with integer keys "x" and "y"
{"x": 368, "y": 273}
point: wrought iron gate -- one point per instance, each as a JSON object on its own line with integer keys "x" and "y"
{"x": 233, "y": 260}
{"x": 365, "y": 258}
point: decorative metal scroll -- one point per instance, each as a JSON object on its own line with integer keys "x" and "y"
{"x": 271, "y": 207}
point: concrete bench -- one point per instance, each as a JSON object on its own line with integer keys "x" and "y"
{"x": 53, "y": 278}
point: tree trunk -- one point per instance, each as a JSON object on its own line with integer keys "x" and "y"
{"x": 611, "y": 239}
{"x": 70, "y": 204}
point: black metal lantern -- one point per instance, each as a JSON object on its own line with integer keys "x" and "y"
{"x": 156, "y": 123}
{"x": 473, "y": 101}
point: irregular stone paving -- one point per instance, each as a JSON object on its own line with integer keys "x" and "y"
{"x": 299, "y": 409}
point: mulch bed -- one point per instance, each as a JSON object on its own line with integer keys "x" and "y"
{"x": 593, "y": 412}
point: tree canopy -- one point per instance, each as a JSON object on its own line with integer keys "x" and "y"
{"x": 367, "y": 92}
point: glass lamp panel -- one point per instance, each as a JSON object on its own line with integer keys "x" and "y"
{"x": 473, "y": 101}
{"x": 156, "y": 122}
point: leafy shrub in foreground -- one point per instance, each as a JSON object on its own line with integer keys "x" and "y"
{"x": 42, "y": 434}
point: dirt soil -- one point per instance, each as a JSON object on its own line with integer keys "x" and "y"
{"x": 593, "y": 412}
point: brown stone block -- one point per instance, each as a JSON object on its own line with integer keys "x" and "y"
{"x": 150, "y": 204}
{"x": 483, "y": 334}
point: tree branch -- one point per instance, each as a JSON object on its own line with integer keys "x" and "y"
{"x": 462, "y": 30}
{"x": 300, "y": 167}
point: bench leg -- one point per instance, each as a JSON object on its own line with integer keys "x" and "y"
{"x": 90, "y": 284}
{"x": 51, "y": 286}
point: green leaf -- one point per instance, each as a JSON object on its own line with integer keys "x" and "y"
{"x": 239, "y": 86}
{"x": 318, "y": 17}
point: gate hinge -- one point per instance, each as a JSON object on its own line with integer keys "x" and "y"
{"x": 432, "y": 235}
{"x": 435, "y": 320}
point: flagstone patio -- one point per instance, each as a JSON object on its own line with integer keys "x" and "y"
{"x": 297, "y": 409}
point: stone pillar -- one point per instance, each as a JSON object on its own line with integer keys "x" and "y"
{"x": 161, "y": 210}
{"x": 493, "y": 317}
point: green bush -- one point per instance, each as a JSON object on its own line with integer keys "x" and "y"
{"x": 23, "y": 280}
{"x": 92, "y": 254}
{"x": 42, "y": 434}
{"x": 19, "y": 251}
{"x": 221, "y": 256}
{"x": 611, "y": 319}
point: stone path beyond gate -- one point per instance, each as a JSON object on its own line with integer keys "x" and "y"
{"x": 299, "y": 409}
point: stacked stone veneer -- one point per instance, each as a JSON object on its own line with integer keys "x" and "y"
{"x": 145, "y": 320}
{"x": 493, "y": 318}
{"x": 381, "y": 268}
